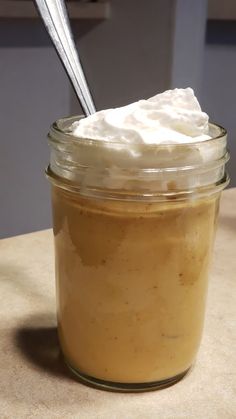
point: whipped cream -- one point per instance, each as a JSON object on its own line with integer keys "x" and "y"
{"x": 149, "y": 145}
{"x": 172, "y": 117}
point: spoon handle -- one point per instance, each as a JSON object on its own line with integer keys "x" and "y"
{"x": 55, "y": 17}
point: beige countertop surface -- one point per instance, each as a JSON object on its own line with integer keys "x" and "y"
{"x": 34, "y": 383}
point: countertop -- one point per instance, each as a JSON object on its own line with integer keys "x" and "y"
{"x": 34, "y": 383}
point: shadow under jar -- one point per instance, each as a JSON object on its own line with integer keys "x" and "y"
{"x": 133, "y": 232}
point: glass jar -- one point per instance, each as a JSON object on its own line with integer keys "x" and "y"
{"x": 134, "y": 231}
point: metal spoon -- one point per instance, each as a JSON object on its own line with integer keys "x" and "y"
{"x": 55, "y": 18}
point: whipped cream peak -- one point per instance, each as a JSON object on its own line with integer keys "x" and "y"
{"x": 172, "y": 117}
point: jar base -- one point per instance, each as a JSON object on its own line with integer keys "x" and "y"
{"x": 125, "y": 387}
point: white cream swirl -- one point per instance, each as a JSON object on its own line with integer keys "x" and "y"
{"x": 172, "y": 117}
{"x": 149, "y": 143}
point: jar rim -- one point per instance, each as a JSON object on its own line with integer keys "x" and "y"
{"x": 59, "y": 132}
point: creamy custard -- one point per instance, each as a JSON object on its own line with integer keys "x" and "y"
{"x": 131, "y": 284}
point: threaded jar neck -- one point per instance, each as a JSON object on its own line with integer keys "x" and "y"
{"x": 119, "y": 170}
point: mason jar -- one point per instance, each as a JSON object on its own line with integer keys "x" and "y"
{"x": 134, "y": 230}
